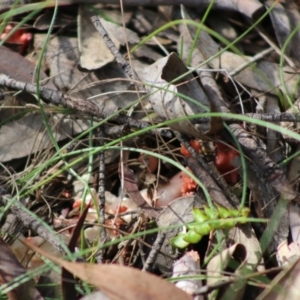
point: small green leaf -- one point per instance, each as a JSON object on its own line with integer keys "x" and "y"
{"x": 199, "y": 215}
{"x": 227, "y": 223}
{"x": 210, "y": 213}
{"x": 245, "y": 212}
{"x": 179, "y": 242}
{"x": 203, "y": 229}
{"x": 224, "y": 212}
{"x": 192, "y": 237}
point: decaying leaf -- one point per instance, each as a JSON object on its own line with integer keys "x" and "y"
{"x": 119, "y": 282}
{"x": 177, "y": 212}
{"x": 188, "y": 265}
{"x": 108, "y": 87}
{"x": 93, "y": 51}
{"x": 285, "y": 285}
{"x": 232, "y": 257}
{"x": 10, "y": 269}
{"x": 263, "y": 76}
{"x": 27, "y": 135}
{"x": 167, "y": 94}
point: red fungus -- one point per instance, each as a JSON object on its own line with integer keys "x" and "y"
{"x": 195, "y": 144}
{"x": 223, "y": 162}
{"x": 188, "y": 185}
{"x": 21, "y": 37}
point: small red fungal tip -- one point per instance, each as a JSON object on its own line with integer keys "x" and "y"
{"x": 188, "y": 185}
{"x": 77, "y": 203}
{"x": 20, "y": 37}
{"x": 223, "y": 162}
{"x": 195, "y": 144}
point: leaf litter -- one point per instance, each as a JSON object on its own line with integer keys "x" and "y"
{"x": 88, "y": 139}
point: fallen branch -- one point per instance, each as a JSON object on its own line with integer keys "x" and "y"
{"x": 78, "y": 104}
{"x": 35, "y": 225}
{"x": 262, "y": 164}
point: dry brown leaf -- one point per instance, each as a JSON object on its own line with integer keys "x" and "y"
{"x": 93, "y": 51}
{"x": 285, "y": 285}
{"x": 28, "y": 135}
{"x": 164, "y": 99}
{"x": 287, "y": 253}
{"x": 265, "y": 77}
{"x": 119, "y": 282}
{"x": 10, "y": 268}
{"x": 19, "y": 68}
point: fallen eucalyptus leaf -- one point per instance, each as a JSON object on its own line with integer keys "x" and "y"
{"x": 285, "y": 285}
{"x": 119, "y": 282}
{"x": 168, "y": 92}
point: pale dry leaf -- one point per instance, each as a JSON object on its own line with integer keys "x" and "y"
{"x": 10, "y": 269}
{"x": 218, "y": 263}
{"x": 93, "y": 51}
{"x": 262, "y": 76}
{"x": 287, "y": 253}
{"x": 285, "y": 285}
{"x": 177, "y": 212}
{"x": 245, "y": 235}
{"x": 188, "y": 265}
{"x": 163, "y": 86}
{"x": 119, "y": 282}
{"x": 28, "y": 135}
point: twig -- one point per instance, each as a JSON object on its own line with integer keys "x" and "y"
{"x": 254, "y": 148}
{"x": 30, "y": 222}
{"x": 132, "y": 190}
{"x": 115, "y": 52}
{"x": 11, "y": 228}
{"x": 268, "y": 117}
{"x": 78, "y": 104}
{"x": 154, "y": 251}
{"x": 101, "y": 194}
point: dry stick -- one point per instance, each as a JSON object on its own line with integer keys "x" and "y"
{"x": 276, "y": 117}
{"x": 11, "y": 228}
{"x": 154, "y": 251}
{"x": 78, "y": 104}
{"x": 91, "y": 109}
{"x": 262, "y": 163}
{"x": 101, "y": 193}
{"x": 115, "y": 52}
{"x": 268, "y": 117}
{"x": 28, "y": 221}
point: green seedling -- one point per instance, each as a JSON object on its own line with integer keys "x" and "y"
{"x": 207, "y": 220}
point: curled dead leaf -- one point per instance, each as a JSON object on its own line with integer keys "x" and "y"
{"x": 119, "y": 282}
